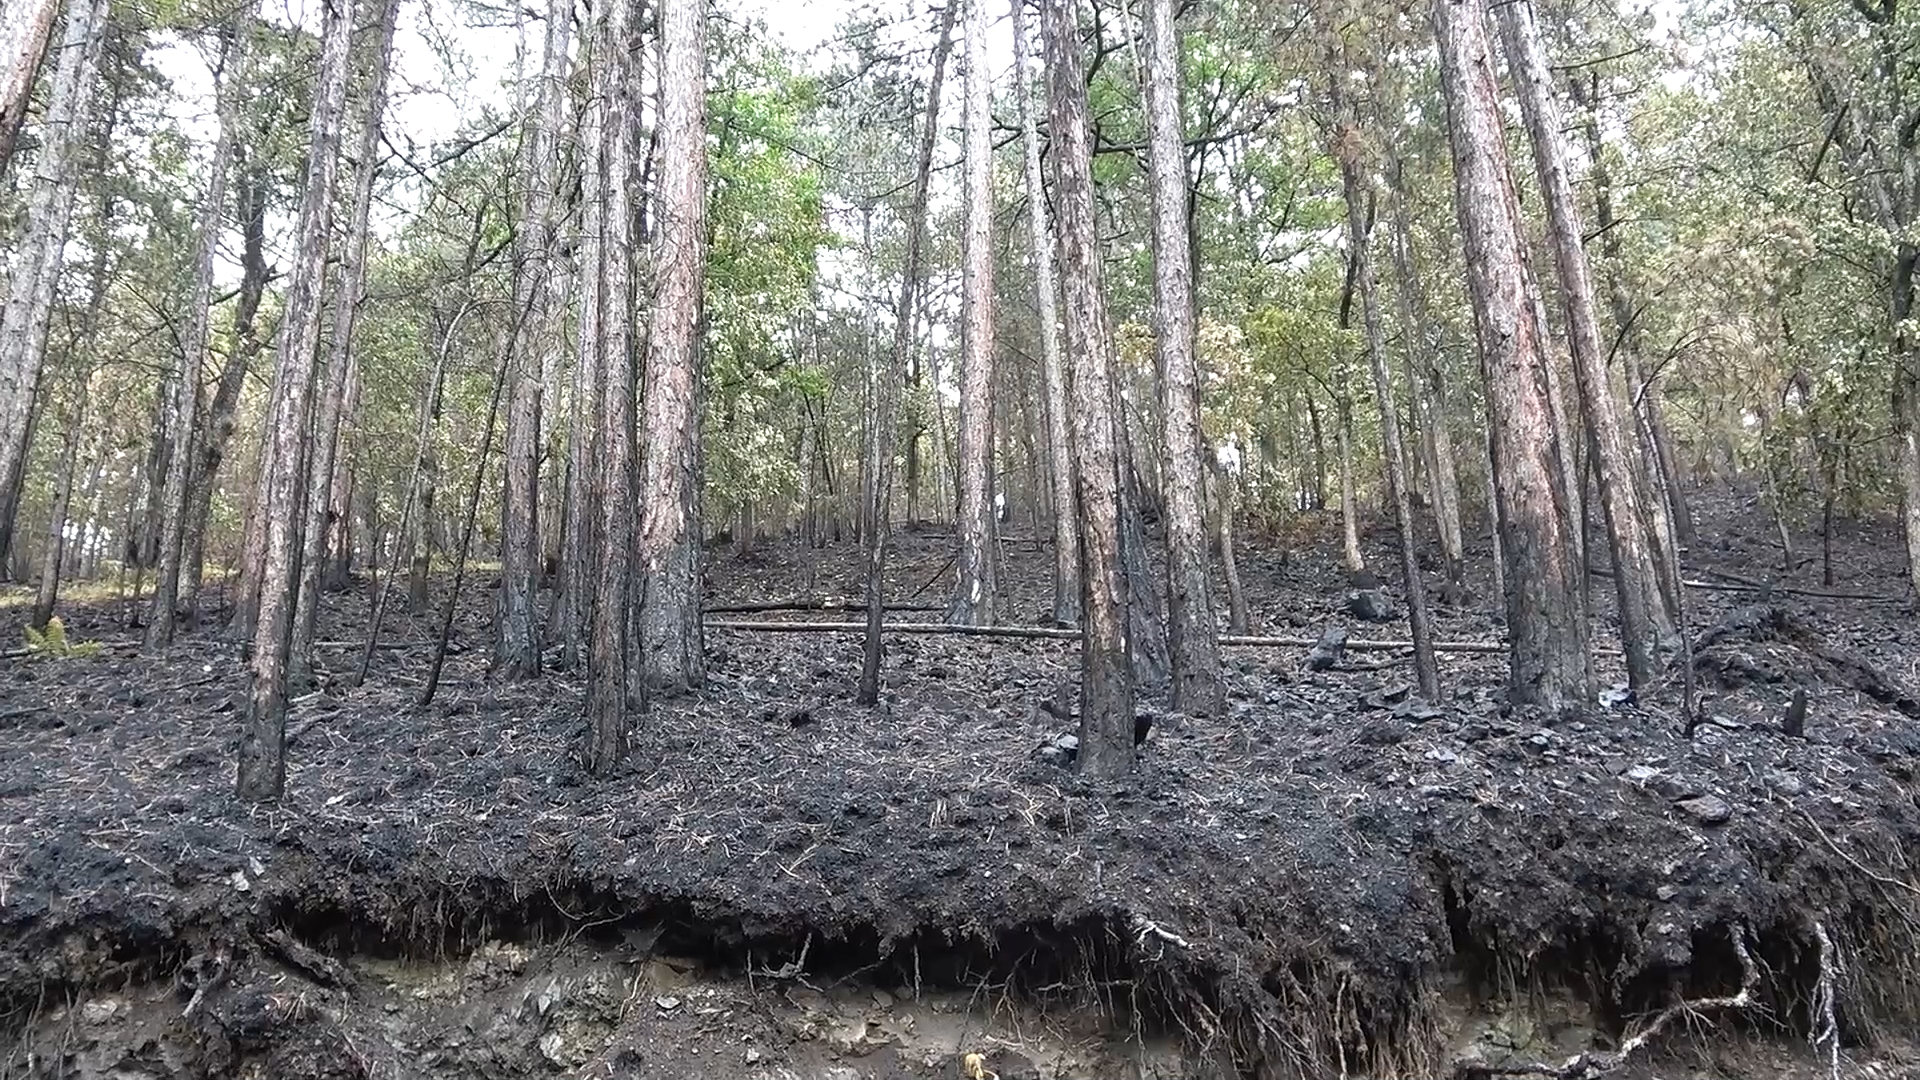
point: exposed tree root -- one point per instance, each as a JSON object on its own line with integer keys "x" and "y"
{"x": 1594, "y": 1064}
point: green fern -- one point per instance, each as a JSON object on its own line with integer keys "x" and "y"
{"x": 54, "y": 644}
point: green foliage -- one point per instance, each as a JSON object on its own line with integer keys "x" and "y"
{"x": 53, "y": 643}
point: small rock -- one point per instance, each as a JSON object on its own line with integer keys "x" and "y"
{"x": 1706, "y": 810}
{"x": 1059, "y": 750}
{"x": 101, "y": 1011}
{"x": 1640, "y": 774}
{"x": 1617, "y": 696}
{"x": 667, "y": 1002}
{"x": 1442, "y": 755}
{"x": 1666, "y": 892}
{"x": 1784, "y": 782}
{"x": 240, "y": 882}
{"x": 554, "y": 1049}
{"x": 752, "y": 1054}
{"x": 1326, "y": 654}
{"x": 1370, "y": 605}
{"x": 1387, "y": 697}
{"x": 1540, "y": 740}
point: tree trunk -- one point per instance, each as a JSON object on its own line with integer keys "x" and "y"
{"x": 672, "y": 646}
{"x": 1066, "y": 524}
{"x": 1665, "y": 498}
{"x": 1356, "y": 560}
{"x": 885, "y": 378}
{"x": 1636, "y": 574}
{"x": 1426, "y": 387}
{"x": 37, "y": 260}
{"x": 1106, "y": 685}
{"x": 78, "y": 431}
{"x": 1547, "y": 637}
{"x": 1193, "y": 645}
{"x": 242, "y": 351}
{"x": 25, "y": 26}
{"x": 1359, "y": 229}
{"x": 330, "y": 410}
{"x": 517, "y": 645}
{"x": 230, "y": 79}
{"x": 610, "y": 679}
{"x": 974, "y": 589}
{"x": 262, "y": 759}
{"x": 1238, "y": 621}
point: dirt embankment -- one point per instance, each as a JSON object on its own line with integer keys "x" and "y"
{"x": 1329, "y": 880}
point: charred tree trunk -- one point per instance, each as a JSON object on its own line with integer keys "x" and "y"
{"x": 517, "y": 648}
{"x": 974, "y": 588}
{"x": 672, "y": 654}
{"x": 78, "y": 432}
{"x": 1547, "y": 637}
{"x": 1426, "y": 388}
{"x": 1393, "y": 449}
{"x": 1066, "y": 523}
{"x": 242, "y": 351}
{"x": 229, "y": 82}
{"x": 1666, "y": 499}
{"x": 610, "y": 678}
{"x": 262, "y": 758}
{"x": 330, "y": 410}
{"x": 1636, "y": 575}
{"x": 1106, "y": 683}
{"x": 37, "y": 260}
{"x": 1193, "y": 644}
{"x": 1238, "y": 621}
{"x": 876, "y": 528}
{"x": 1356, "y": 560}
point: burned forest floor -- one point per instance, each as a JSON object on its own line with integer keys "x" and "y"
{"x": 1332, "y": 879}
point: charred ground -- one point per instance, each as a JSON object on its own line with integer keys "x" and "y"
{"x": 1327, "y": 880}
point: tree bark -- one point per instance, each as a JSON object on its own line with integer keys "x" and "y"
{"x": 610, "y": 679}
{"x": 1228, "y": 478}
{"x": 672, "y": 643}
{"x": 78, "y": 432}
{"x": 875, "y": 530}
{"x": 1426, "y": 387}
{"x": 1106, "y": 684}
{"x": 517, "y": 647}
{"x": 1665, "y": 498}
{"x": 242, "y": 351}
{"x": 1356, "y": 560}
{"x": 330, "y": 410}
{"x": 1393, "y": 448}
{"x": 974, "y": 587}
{"x": 1066, "y": 523}
{"x": 37, "y": 261}
{"x": 1193, "y": 648}
{"x": 262, "y": 771}
{"x": 1636, "y": 574}
{"x": 25, "y": 26}
{"x": 1547, "y": 637}
{"x": 229, "y": 82}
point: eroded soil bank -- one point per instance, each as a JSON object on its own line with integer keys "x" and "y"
{"x": 1329, "y": 880}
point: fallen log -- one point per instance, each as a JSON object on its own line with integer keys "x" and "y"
{"x": 1070, "y": 633}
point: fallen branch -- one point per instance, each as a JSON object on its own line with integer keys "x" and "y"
{"x": 1069, "y": 633}
{"x": 817, "y": 604}
{"x": 318, "y": 966}
{"x": 1145, "y": 928}
{"x": 1594, "y": 1064}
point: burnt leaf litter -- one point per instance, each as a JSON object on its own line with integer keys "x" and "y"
{"x": 1335, "y": 878}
